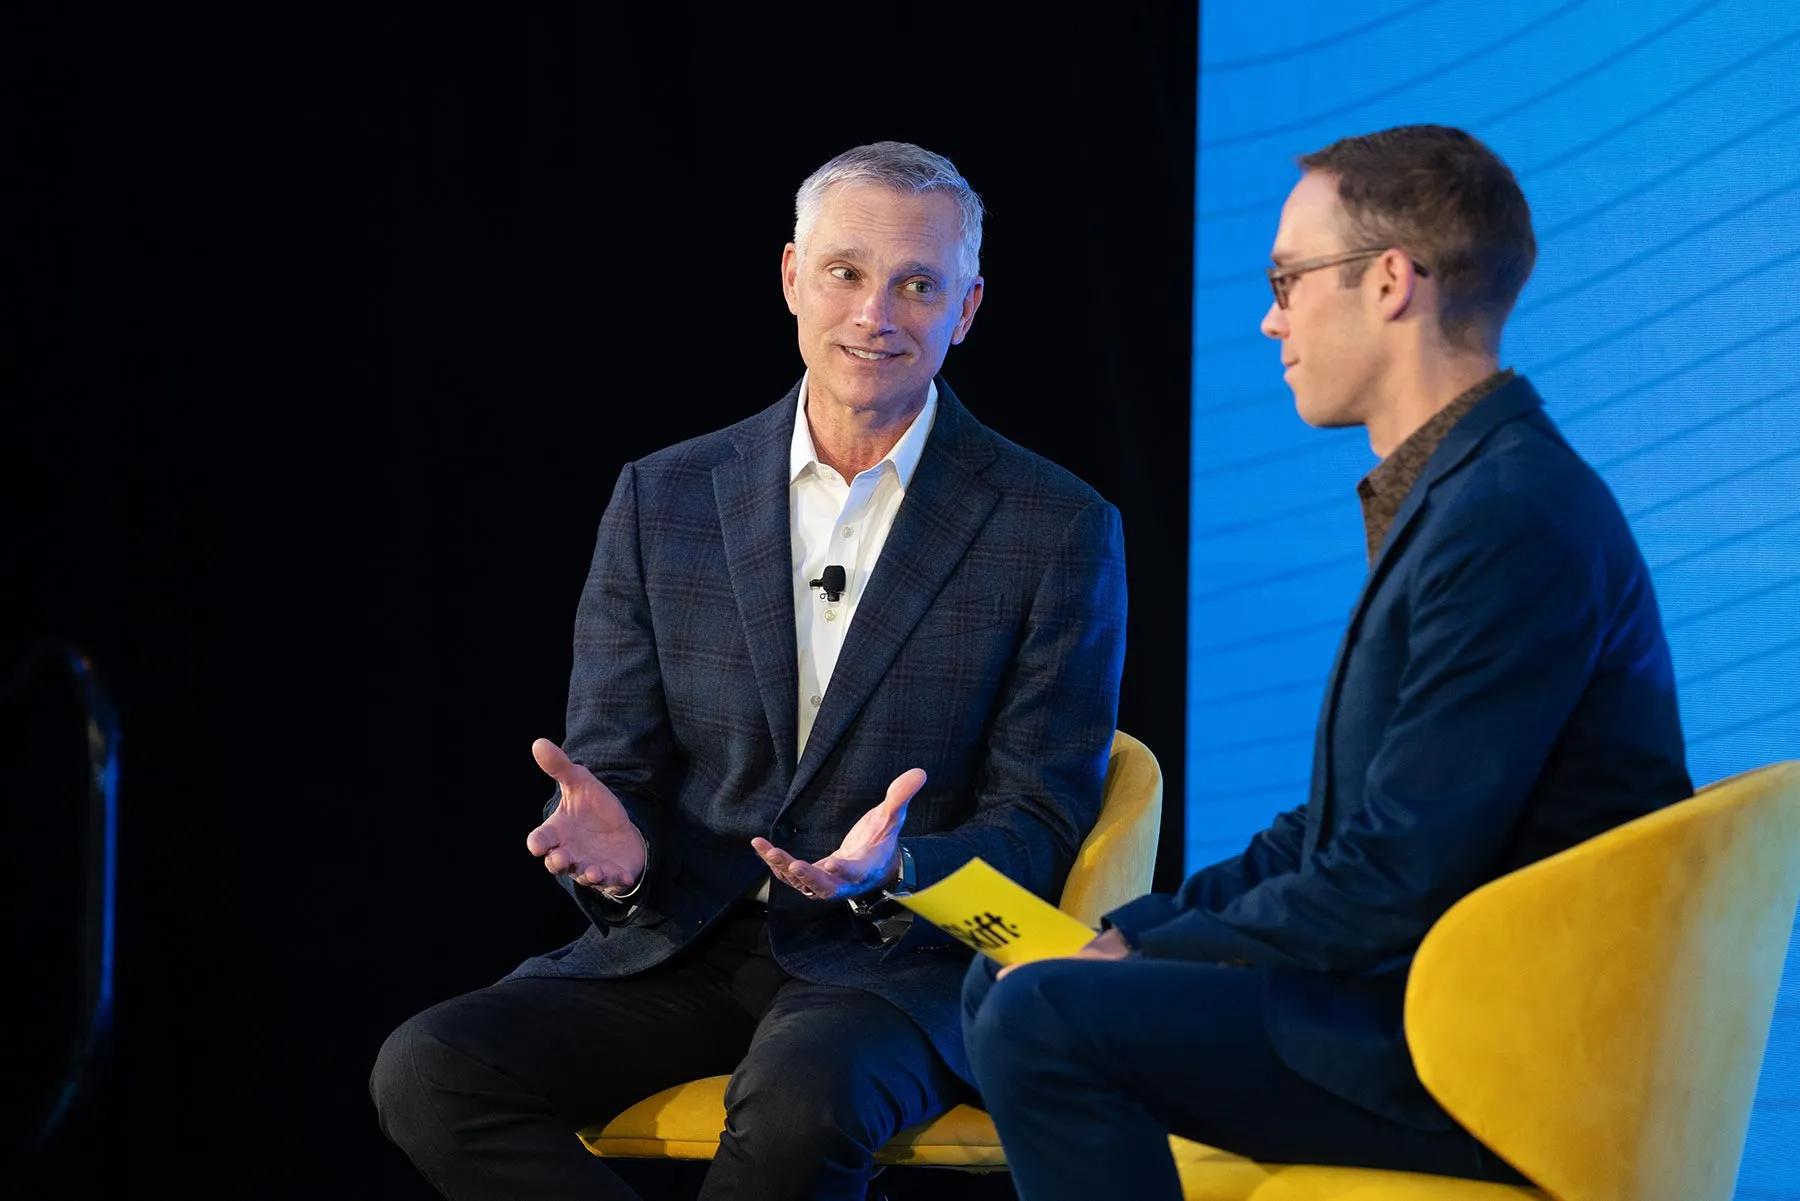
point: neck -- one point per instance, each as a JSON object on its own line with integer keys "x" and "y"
{"x": 1417, "y": 390}
{"x": 850, "y": 441}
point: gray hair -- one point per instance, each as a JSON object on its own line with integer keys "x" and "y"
{"x": 903, "y": 167}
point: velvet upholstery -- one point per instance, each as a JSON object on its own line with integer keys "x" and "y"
{"x": 1599, "y": 1017}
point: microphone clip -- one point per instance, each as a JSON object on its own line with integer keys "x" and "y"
{"x": 832, "y": 581}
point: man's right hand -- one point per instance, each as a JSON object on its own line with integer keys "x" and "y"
{"x": 588, "y": 838}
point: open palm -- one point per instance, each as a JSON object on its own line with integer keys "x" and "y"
{"x": 863, "y": 861}
{"x": 588, "y": 837}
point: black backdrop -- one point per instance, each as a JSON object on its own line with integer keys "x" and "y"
{"x": 325, "y": 337}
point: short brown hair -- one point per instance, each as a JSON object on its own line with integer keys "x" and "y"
{"x": 1447, "y": 200}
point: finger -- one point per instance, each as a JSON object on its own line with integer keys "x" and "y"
{"x": 542, "y": 840}
{"x": 550, "y": 758}
{"x": 819, "y": 883}
{"x": 560, "y": 863}
{"x": 771, "y": 854}
{"x": 906, "y": 785}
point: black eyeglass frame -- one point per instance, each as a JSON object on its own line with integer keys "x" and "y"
{"x": 1281, "y": 277}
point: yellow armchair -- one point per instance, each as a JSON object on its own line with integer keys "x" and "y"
{"x": 1597, "y": 1018}
{"x": 1114, "y": 865}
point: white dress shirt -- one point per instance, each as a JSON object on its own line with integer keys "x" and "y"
{"x": 834, "y": 522}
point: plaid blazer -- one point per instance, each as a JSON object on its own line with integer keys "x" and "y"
{"x": 986, "y": 649}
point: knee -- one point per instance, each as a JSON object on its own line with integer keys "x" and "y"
{"x": 806, "y": 1115}
{"x": 1011, "y": 1029}
{"x": 978, "y": 982}
{"x": 401, "y": 1081}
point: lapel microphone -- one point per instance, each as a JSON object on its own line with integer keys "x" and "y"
{"x": 832, "y": 581}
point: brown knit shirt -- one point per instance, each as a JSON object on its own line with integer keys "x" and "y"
{"x": 1384, "y": 489}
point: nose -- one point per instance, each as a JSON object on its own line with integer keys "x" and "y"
{"x": 1275, "y": 322}
{"x": 875, "y": 312}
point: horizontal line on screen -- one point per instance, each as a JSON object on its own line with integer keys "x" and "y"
{"x": 1606, "y": 275}
{"x": 1677, "y": 372}
{"x": 1311, "y": 446}
{"x": 1251, "y": 401}
{"x": 1266, "y": 639}
{"x": 1656, "y": 181}
{"x": 1642, "y": 115}
{"x": 1687, "y": 619}
{"x": 1247, "y": 694}
{"x": 1298, "y": 787}
{"x": 1731, "y": 539}
{"x": 1271, "y": 202}
{"x": 1749, "y": 723}
{"x": 1724, "y": 669}
{"x": 1705, "y": 486}
{"x": 1689, "y": 431}
{"x": 1262, "y": 204}
{"x": 1253, "y": 523}
{"x": 1336, "y": 39}
{"x": 1375, "y": 97}
{"x": 1208, "y": 283}
{"x": 1235, "y": 342}
{"x": 1245, "y": 744}
{"x": 1669, "y": 310}
{"x": 1612, "y": 60}
{"x": 1279, "y": 577}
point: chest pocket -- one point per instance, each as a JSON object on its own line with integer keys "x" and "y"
{"x": 959, "y": 615}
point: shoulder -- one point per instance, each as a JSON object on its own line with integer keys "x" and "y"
{"x": 1526, "y": 477}
{"x": 1026, "y": 477}
{"x": 695, "y": 458}
{"x": 1527, "y": 506}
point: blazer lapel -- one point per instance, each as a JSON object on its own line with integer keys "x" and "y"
{"x": 1515, "y": 399}
{"x": 945, "y": 507}
{"x": 752, "y": 495}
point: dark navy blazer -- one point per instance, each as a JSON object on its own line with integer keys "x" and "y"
{"x": 986, "y": 649}
{"x": 1503, "y": 692}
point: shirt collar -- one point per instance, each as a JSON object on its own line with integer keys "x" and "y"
{"x": 904, "y": 456}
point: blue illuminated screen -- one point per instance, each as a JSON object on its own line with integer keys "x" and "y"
{"x": 1658, "y": 142}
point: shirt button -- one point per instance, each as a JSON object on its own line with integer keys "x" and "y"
{"x": 831, "y": 615}
{"x": 813, "y": 700}
{"x": 848, "y": 532}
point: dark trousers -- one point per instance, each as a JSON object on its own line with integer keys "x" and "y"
{"x": 484, "y": 1092}
{"x": 1088, "y": 1067}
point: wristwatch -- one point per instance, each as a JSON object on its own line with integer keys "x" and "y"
{"x": 889, "y": 917}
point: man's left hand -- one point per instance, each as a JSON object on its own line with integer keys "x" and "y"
{"x": 1108, "y": 944}
{"x": 868, "y": 857}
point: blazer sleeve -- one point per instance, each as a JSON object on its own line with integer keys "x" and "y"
{"x": 617, "y": 723}
{"x": 1271, "y": 853}
{"x": 1040, "y": 787}
{"x": 1507, "y": 621}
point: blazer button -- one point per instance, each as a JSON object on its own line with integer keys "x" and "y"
{"x": 784, "y": 830}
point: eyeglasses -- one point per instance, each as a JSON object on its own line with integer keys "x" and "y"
{"x": 1280, "y": 278}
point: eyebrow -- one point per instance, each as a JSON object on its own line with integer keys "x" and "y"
{"x": 913, "y": 267}
{"x": 918, "y": 268}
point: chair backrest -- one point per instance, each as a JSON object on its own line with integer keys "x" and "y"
{"x": 1598, "y": 1017}
{"x": 1118, "y": 858}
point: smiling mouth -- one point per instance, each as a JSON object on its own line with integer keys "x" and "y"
{"x": 869, "y": 356}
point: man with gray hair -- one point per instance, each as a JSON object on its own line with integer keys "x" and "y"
{"x": 829, "y": 653}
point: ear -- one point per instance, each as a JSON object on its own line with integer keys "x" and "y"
{"x": 970, "y": 302}
{"x": 1393, "y": 282}
{"x": 790, "y": 269}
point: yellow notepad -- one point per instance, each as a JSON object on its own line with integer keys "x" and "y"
{"x": 983, "y": 909}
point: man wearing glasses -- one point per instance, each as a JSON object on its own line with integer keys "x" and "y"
{"x": 1503, "y": 692}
